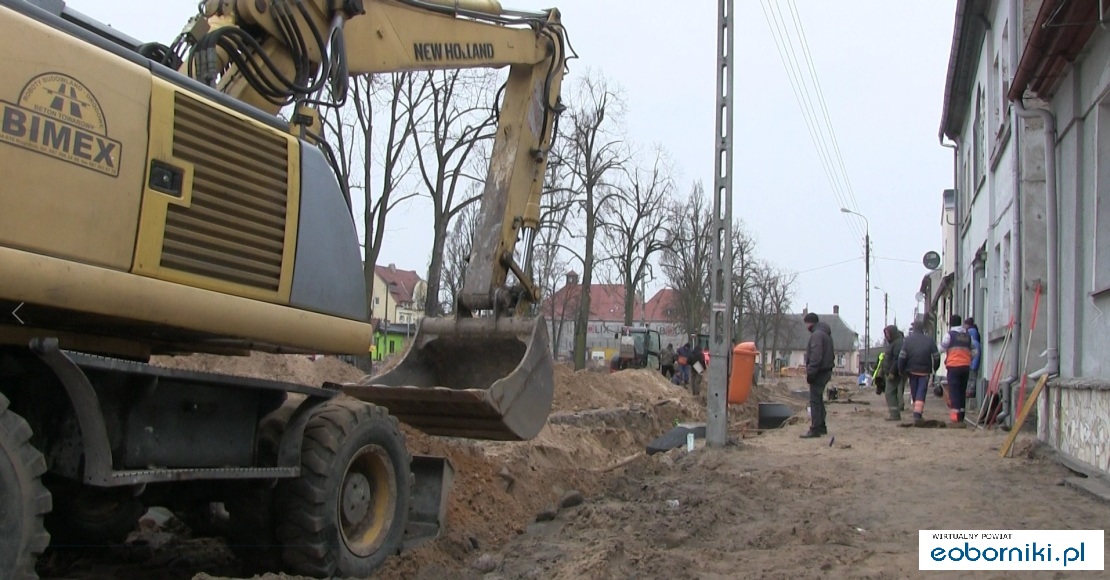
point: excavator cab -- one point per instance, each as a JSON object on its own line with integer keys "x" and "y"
{"x": 479, "y": 378}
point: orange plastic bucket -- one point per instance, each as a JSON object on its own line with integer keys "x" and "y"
{"x": 743, "y": 369}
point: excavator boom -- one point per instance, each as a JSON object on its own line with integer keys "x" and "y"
{"x": 487, "y": 377}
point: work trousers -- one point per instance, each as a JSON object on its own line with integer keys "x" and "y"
{"x": 817, "y": 399}
{"x": 895, "y": 394}
{"x": 668, "y": 371}
{"x": 957, "y": 390}
{"x": 919, "y": 387}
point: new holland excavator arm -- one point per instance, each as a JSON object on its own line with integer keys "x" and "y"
{"x": 486, "y": 377}
{"x": 186, "y": 214}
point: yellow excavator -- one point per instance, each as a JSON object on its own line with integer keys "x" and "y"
{"x": 182, "y": 198}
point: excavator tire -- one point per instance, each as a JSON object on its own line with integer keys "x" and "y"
{"x": 86, "y": 515}
{"x": 24, "y": 500}
{"x": 250, "y": 508}
{"x": 347, "y": 511}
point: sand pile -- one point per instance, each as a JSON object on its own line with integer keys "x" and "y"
{"x": 598, "y": 419}
{"x": 589, "y": 389}
{"x": 279, "y": 367}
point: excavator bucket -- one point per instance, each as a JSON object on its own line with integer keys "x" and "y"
{"x": 478, "y": 378}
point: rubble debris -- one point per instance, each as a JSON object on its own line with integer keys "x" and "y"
{"x": 571, "y": 499}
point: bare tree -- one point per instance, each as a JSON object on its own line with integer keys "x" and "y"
{"x": 685, "y": 257}
{"x": 352, "y": 130}
{"x": 595, "y": 153}
{"x": 450, "y": 113}
{"x": 456, "y": 252}
{"x": 768, "y": 301}
{"x": 743, "y": 256}
{"x": 781, "y": 297}
{"x": 551, "y": 258}
{"x": 633, "y": 226}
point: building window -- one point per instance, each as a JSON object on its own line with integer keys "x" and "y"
{"x": 377, "y": 301}
{"x": 1101, "y": 275}
{"x": 979, "y": 135}
{"x": 1007, "y": 282}
{"x": 996, "y": 287}
{"x": 992, "y": 88}
{"x": 1002, "y": 102}
{"x": 967, "y": 191}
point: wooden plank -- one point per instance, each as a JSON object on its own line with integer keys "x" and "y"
{"x": 1032, "y": 400}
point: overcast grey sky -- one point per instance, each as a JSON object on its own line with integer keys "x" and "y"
{"x": 881, "y": 66}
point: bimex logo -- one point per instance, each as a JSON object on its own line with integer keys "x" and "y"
{"x": 58, "y": 116}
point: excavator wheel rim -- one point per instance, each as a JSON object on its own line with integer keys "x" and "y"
{"x": 373, "y": 507}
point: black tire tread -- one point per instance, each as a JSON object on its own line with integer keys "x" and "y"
{"x": 37, "y": 501}
{"x": 302, "y": 502}
{"x": 251, "y": 509}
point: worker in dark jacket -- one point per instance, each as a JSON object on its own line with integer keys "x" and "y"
{"x": 682, "y": 365}
{"x": 918, "y": 360}
{"x": 895, "y": 380}
{"x": 666, "y": 361}
{"x": 820, "y": 361}
{"x": 973, "y": 380}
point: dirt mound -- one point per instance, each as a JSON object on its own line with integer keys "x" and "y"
{"x": 277, "y": 367}
{"x": 600, "y": 419}
{"x": 591, "y": 389}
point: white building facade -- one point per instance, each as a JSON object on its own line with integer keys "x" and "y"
{"x": 993, "y": 221}
{"x": 1065, "y": 72}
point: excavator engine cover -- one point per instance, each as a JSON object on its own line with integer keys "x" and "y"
{"x": 478, "y": 378}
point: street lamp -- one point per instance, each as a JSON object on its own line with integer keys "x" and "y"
{"x": 866, "y": 279}
{"x": 886, "y": 305}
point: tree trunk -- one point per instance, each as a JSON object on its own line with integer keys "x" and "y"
{"x": 580, "y": 326}
{"x": 435, "y": 269}
{"x": 775, "y": 343}
{"x": 629, "y": 300}
{"x": 582, "y": 322}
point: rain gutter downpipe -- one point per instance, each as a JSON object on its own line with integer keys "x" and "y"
{"x": 1052, "y": 290}
{"x": 957, "y": 278}
{"x": 1018, "y": 285}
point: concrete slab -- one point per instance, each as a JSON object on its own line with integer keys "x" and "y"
{"x": 1095, "y": 487}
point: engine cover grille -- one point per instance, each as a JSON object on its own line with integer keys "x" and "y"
{"x": 234, "y": 228}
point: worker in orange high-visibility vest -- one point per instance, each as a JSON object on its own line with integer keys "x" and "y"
{"x": 960, "y": 348}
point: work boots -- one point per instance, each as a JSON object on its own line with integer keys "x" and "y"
{"x": 815, "y": 432}
{"x": 894, "y": 415}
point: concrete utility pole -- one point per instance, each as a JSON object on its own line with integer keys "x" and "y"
{"x": 720, "y": 318}
{"x": 886, "y": 307}
{"x": 867, "y": 291}
{"x": 866, "y": 288}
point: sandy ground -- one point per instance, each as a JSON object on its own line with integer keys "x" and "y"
{"x": 777, "y": 506}
{"x": 770, "y": 506}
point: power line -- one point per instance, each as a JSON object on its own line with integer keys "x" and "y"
{"x": 828, "y": 151}
{"x": 826, "y": 266}
{"x": 789, "y": 56}
{"x": 898, "y": 260}
{"x": 834, "y": 171}
{"x": 824, "y": 108}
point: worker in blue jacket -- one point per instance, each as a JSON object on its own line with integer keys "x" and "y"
{"x": 977, "y": 340}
